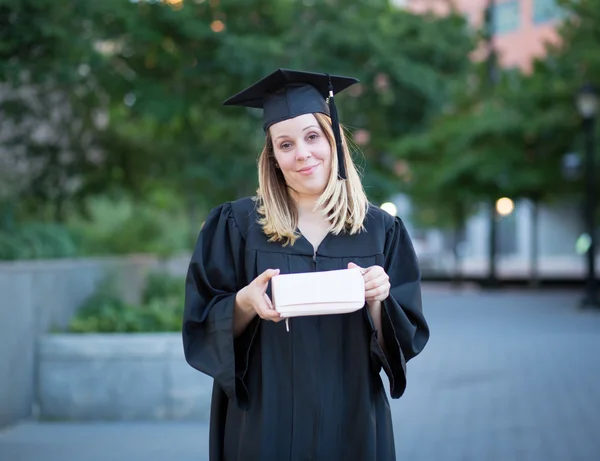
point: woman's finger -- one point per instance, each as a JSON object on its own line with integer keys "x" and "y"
{"x": 263, "y": 279}
{"x": 266, "y": 310}
{"x": 271, "y": 315}
{"x": 268, "y": 301}
{"x": 268, "y": 314}
{"x": 378, "y": 281}
{"x": 371, "y": 274}
{"x": 380, "y": 292}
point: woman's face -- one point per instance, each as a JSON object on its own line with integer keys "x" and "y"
{"x": 303, "y": 154}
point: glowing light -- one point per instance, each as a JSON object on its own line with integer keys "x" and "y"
{"x": 504, "y": 206}
{"x": 129, "y": 99}
{"x": 389, "y": 207}
{"x": 175, "y": 4}
{"x": 217, "y": 26}
{"x": 583, "y": 243}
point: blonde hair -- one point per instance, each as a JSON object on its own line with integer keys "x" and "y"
{"x": 344, "y": 203}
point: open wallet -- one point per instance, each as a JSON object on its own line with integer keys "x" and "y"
{"x": 318, "y": 293}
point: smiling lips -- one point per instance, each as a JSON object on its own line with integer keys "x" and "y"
{"x": 308, "y": 169}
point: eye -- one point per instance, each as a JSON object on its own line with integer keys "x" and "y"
{"x": 285, "y": 145}
{"x": 312, "y": 136}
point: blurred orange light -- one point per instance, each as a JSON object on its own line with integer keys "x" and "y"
{"x": 175, "y": 4}
{"x": 217, "y": 26}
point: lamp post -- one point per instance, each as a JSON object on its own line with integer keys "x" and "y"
{"x": 587, "y": 104}
{"x": 492, "y": 76}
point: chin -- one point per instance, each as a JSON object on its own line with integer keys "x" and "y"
{"x": 311, "y": 185}
{"x": 312, "y": 189}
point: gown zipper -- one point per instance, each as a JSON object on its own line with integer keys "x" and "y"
{"x": 287, "y": 319}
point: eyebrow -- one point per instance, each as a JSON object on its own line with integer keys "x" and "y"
{"x": 304, "y": 129}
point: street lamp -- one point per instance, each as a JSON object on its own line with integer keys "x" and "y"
{"x": 390, "y": 208}
{"x": 504, "y": 206}
{"x": 587, "y": 104}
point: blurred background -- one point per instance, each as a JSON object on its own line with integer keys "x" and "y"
{"x": 475, "y": 121}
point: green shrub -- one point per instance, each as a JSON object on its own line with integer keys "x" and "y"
{"x": 36, "y": 241}
{"x": 103, "y": 225}
{"x": 159, "y": 285}
{"x": 125, "y": 226}
{"x": 161, "y": 309}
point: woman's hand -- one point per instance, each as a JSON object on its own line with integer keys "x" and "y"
{"x": 377, "y": 289}
{"x": 253, "y": 298}
{"x": 377, "y": 283}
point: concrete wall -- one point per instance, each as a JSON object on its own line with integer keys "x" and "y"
{"x": 36, "y": 296}
{"x": 119, "y": 377}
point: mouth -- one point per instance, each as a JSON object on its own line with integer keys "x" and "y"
{"x": 308, "y": 169}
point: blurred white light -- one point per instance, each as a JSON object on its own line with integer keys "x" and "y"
{"x": 583, "y": 244}
{"x": 389, "y": 207}
{"x": 129, "y": 99}
{"x": 587, "y": 102}
{"x": 100, "y": 118}
{"x": 504, "y": 206}
{"x": 83, "y": 70}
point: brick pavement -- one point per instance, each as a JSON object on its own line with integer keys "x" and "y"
{"x": 507, "y": 376}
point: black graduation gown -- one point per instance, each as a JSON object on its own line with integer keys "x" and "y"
{"x": 313, "y": 393}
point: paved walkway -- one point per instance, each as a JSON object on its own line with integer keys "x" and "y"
{"x": 508, "y": 376}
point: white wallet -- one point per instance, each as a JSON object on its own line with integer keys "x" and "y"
{"x": 318, "y": 293}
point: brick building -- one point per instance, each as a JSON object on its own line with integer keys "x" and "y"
{"x": 522, "y": 26}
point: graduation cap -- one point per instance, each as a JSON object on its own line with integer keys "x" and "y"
{"x": 286, "y": 94}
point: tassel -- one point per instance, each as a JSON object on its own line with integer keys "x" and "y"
{"x": 335, "y": 124}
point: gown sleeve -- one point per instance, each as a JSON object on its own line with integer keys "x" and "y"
{"x": 215, "y": 274}
{"x": 405, "y": 331}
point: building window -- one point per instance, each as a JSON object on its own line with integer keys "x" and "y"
{"x": 507, "y": 16}
{"x": 546, "y": 10}
{"x": 507, "y": 235}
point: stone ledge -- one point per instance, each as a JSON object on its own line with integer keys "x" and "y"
{"x": 120, "y": 346}
{"x": 119, "y": 377}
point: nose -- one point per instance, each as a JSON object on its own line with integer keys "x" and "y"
{"x": 302, "y": 152}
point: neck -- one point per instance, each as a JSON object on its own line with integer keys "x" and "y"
{"x": 305, "y": 203}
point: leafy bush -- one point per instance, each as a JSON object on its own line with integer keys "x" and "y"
{"x": 36, "y": 241}
{"x": 104, "y": 226}
{"x": 161, "y": 309}
{"x": 126, "y": 226}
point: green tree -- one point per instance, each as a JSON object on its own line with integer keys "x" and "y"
{"x": 49, "y": 104}
{"x": 138, "y": 88}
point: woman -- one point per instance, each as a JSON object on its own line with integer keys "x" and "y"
{"x": 313, "y": 392}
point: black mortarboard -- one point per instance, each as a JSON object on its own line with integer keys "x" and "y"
{"x": 286, "y": 94}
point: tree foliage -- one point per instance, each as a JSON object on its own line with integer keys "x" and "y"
{"x": 510, "y": 137}
{"x": 130, "y": 93}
